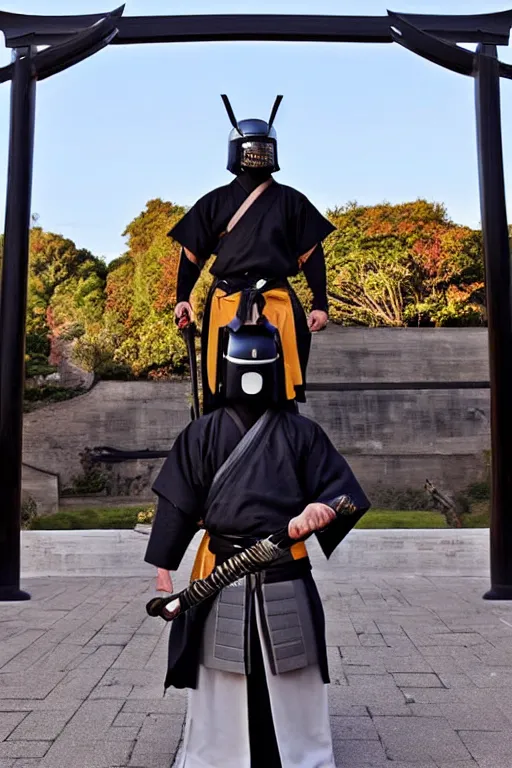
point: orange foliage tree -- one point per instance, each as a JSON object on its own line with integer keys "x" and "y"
{"x": 139, "y": 333}
{"x": 405, "y": 264}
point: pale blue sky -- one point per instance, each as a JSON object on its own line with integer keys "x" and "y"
{"x": 359, "y": 122}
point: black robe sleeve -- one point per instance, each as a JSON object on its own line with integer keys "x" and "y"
{"x": 311, "y": 226}
{"x": 195, "y": 230}
{"x": 181, "y": 495}
{"x": 171, "y": 534}
{"x": 329, "y": 476}
{"x": 188, "y": 275}
{"x": 314, "y": 272}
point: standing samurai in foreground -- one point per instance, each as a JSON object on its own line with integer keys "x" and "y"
{"x": 261, "y": 234}
{"x": 254, "y": 656}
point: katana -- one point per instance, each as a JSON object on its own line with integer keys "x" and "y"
{"x": 254, "y": 559}
{"x": 188, "y": 329}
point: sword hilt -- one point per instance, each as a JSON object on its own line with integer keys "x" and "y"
{"x": 158, "y": 607}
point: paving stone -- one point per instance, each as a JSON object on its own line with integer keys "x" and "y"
{"x": 98, "y": 754}
{"x": 431, "y": 695}
{"x": 17, "y": 643}
{"x": 459, "y": 764}
{"x": 111, "y": 692}
{"x": 456, "y": 680}
{"x": 353, "y": 728}
{"x": 167, "y": 706}
{"x": 136, "y": 653}
{"x": 24, "y": 748}
{"x": 421, "y": 764}
{"x": 493, "y": 761}
{"x": 425, "y": 710}
{"x": 9, "y": 721}
{"x": 122, "y": 733}
{"x": 129, "y": 718}
{"x": 27, "y": 763}
{"x": 92, "y": 720}
{"x": 155, "y": 725}
{"x": 466, "y": 716}
{"x": 30, "y": 655}
{"x": 41, "y": 726}
{"x": 150, "y": 754}
{"x": 109, "y": 638}
{"x": 409, "y": 680}
{"x": 28, "y": 685}
{"x": 351, "y": 753}
{"x": 407, "y": 664}
{"x": 482, "y": 744}
{"x": 78, "y": 683}
{"x": 420, "y": 738}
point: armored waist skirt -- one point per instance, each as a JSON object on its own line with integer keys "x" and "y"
{"x": 287, "y": 626}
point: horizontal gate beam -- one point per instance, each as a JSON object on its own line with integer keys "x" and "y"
{"x": 23, "y": 30}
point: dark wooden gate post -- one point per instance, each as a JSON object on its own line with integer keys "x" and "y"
{"x": 13, "y": 309}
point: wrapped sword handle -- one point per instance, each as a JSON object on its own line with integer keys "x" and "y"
{"x": 251, "y": 560}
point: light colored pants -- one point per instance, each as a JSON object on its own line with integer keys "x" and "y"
{"x": 217, "y": 726}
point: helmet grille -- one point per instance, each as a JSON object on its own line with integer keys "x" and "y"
{"x": 257, "y": 154}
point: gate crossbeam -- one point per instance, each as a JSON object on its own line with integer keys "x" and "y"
{"x": 21, "y": 30}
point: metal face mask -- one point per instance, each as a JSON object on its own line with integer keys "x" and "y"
{"x": 257, "y": 154}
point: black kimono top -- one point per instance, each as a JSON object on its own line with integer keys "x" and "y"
{"x": 280, "y": 227}
{"x": 293, "y": 464}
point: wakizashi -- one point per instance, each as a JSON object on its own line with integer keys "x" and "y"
{"x": 261, "y": 233}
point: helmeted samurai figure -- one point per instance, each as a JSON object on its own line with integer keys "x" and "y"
{"x": 261, "y": 233}
{"x": 252, "y": 652}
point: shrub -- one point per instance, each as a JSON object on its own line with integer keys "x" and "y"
{"x": 400, "y": 498}
{"x": 147, "y": 516}
{"x": 91, "y": 480}
{"x": 87, "y": 519}
{"x": 28, "y": 511}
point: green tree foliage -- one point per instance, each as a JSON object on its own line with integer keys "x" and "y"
{"x": 387, "y": 265}
{"x": 66, "y": 288}
{"x": 138, "y": 331}
{"x": 398, "y": 265}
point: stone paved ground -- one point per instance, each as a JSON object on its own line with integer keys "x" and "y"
{"x": 421, "y": 674}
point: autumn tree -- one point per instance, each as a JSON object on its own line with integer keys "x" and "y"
{"x": 407, "y": 264}
{"x": 65, "y": 291}
{"x": 138, "y": 323}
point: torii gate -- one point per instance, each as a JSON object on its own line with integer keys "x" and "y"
{"x": 73, "y": 38}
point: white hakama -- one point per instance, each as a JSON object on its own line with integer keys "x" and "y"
{"x": 217, "y": 724}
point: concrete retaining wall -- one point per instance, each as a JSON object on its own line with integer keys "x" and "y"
{"x": 393, "y": 438}
{"x": 121, "y": 553}
{"x": 42, "y": 487}
{"x": 399, "y": 354}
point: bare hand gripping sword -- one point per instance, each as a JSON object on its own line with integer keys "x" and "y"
{"x": 251, "y": 560}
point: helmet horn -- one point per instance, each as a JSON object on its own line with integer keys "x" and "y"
{"x": 229, "y": 110}
{"x": 277, "y": 104}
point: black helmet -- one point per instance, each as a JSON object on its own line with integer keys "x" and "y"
{"x": 252, "y": 364}
{"x": 252, "y": 143}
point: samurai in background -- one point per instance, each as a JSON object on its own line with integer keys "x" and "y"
{"x": 254, "y": 656}
{"x": 261, "y": 233}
